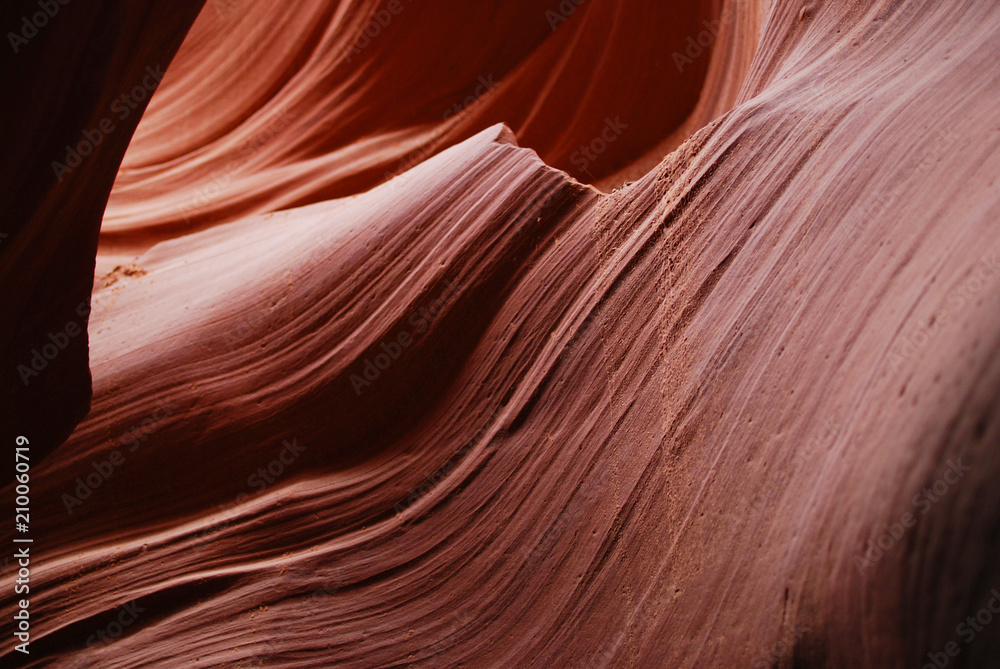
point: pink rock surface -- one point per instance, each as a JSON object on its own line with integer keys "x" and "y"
{"x": 485, "y": 415}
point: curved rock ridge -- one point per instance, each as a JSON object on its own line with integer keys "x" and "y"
{"x": 270, "y": 107}
{"x": 740, "y": 412}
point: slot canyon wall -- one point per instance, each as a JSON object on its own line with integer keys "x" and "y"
{"x": 597, "y": 334}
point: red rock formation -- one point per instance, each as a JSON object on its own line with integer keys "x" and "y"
{"x": 324, "y": 100}
{"x": 740, "y": 412}
{"x": 69, "y": 72}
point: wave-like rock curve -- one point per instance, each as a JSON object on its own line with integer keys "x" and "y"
{"x": 740, "y": 412}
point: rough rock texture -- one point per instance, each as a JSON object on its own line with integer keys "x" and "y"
{"x": 661, "y": 426}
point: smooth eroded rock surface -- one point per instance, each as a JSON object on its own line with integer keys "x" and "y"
{"x": 739, "y": 412}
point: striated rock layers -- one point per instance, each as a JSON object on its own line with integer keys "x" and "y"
{"x": 739, "y": 412}
{"x": 273, "y": 106}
